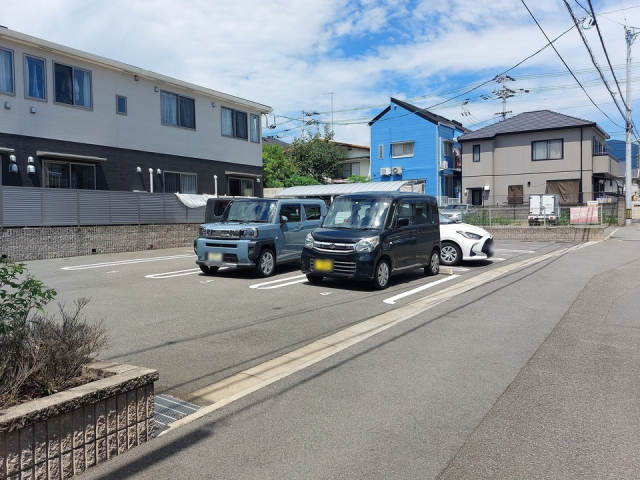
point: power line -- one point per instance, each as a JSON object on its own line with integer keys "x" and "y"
{"x": 567, "y": 66}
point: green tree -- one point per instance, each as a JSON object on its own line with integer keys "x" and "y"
{"x": 317, "y": 156}
{"x": 358, "y": 179}
{"x": 277, "y": 168}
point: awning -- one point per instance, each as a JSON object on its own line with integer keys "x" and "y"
{"x": 70, "y": 156}
{"x": 6, "y": 150}
{"x": 240, "y": 174}
{"x": 343, "y": 188}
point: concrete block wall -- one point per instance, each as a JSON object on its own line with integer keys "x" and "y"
{"x": 547, "y": 234}
{"x": 25, "y": 244}
{"x": 63, "y": 435}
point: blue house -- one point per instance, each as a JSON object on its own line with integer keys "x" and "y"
{"x": 411, "y": 143}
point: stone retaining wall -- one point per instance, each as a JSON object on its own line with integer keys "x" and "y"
{"x": 547, "y": 234}
{"x": 64, "y": 434}
{"x": 25, "y": 244}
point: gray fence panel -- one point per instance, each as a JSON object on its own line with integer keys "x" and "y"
{"x": 94, "y": 207}
{"x": 195, "y": 215}
{"x": 59, "y": 207}
{"x": 124, "y": 208}
{"x": 174, "y": 210}
{"x": 151, "y": 208}
{"x": 21, "y": 208}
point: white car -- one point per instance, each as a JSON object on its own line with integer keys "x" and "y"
{"x": 461, "y": 241}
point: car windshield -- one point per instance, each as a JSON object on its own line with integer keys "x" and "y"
{"x": 256, "y": 211}
{"x": 445, "y": 220}
{"x": 357, "y": 213}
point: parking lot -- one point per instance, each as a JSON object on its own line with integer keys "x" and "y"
{"x": 164, "y": 313}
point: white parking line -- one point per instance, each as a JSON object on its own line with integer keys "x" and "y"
{"x": 506, "y": 250}
{"x": 178, "y": 273}
{"x": 125, "y": 262}
{"x": 261, "y": 286}
{"x": 392, "y": 300}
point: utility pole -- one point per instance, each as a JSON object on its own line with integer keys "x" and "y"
{"x": 504, "y": 93}
{"x": 630, "y": 35}
{"x": 331, "y": 110}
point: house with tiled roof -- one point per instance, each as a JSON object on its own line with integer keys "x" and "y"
{"x": 537, "y": 152}
{"x": 411, "y": 143}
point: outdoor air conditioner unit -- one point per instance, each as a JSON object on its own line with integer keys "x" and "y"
{"x": 385, "y": 171}
{"x": 396, "y": 170}
{"x": 444, "y": 165}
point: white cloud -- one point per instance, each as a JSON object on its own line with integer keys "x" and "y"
{"x": 290, "y": 54}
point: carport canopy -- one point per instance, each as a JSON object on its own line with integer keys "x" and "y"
{"x": 335, "y": 189}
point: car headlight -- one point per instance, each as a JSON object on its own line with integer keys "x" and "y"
{"x": 249, "y": 233}
{"x": 308, "y": 241}
{"x": 367, "y": 244}
{"x": 201, "y": 231}
{"x": 470, "y": 235}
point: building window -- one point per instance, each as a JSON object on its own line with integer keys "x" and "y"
{"x": 35, "y": 85}
{"x": 241, "y": 187}
{"x": 402, "y": 150}
{"x": 6, "y": 71}
{"x": 255, "y": 128}
{"x": 547, "y": 150}
{"x": 380, "y": 152}
{"x": 121, "y": 105}
{"x": 350, "y": 169}
{"x": 447, "y": 149}
{"x": 79, "y": 176}
{"x": 177, "y": 110}
{"x": 476, "y": 153}
{"x": 515, "y": 194}
{"x": 72, "y": 85}
{"x": 598, "y": 147}
{"x": 234, "y": 123}
{"x": 175, "y": 182}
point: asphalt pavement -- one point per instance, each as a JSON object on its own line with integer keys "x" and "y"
{"x": 531, "y": 375}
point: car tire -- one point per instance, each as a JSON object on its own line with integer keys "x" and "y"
{"x": 266, "y": 263}
{"x": 208, "y": 270}
{"x": 315, "y": 279}
{"x": 450, "y": 254}
{"x": 433, "y": 268}
{"x": 381, "y": 275}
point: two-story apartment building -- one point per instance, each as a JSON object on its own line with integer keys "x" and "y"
{"x": 536, "y": 152}
{"x": 411, "y": 143}
{"x": 71, "y": 119}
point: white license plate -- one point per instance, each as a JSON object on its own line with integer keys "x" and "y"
{"x": 214, "y": 256}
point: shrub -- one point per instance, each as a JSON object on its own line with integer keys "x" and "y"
{"x": 39, "y": 355}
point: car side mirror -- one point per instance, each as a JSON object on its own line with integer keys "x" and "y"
{"x": 402, "y": 222}
{"x": 283, "y": 219}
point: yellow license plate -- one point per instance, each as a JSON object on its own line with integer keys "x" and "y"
{"x": 214, "y": 256}
{"x": 323, "y": 265}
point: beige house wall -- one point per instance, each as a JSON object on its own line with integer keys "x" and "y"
{"x": 507, "y": 160}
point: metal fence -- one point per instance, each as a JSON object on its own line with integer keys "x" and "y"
{"x": 45, "y": 207}
{"x": 518, "y": 215}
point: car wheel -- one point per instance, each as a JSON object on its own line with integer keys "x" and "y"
{"x": 382, "y": 273}
{"x": 450, "y": 254}
{"x": 266, "y": 263}
{"x": 208, "y": 270}
{"x": 434, "y": 264}
{"x": 315, "y": 279}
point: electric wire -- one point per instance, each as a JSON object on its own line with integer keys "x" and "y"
{"x": 567, "y": 66}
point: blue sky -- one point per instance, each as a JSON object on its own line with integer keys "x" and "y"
{"x": 296, "y": 55}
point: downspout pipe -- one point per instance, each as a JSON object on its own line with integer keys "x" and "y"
{"x": 151, "y": 180}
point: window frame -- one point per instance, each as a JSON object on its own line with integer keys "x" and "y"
{"x": 44, "y": 77}
{"x": 404, "y": 155}
{"x": 475, "y": 153}
{"x": 118, "y": 112}
{"x": 234, "y": 123}
{"x": 350, "y": 165}
{"x": 253, "y": 116}
{"x": 380, "y": 152}
{"x": 447, "y": 145}
{"x": 13, "y": 73}
{"x": 242, "y": 179}
{"x": 178, "y": 98}
{"x": 73, "y": 76}
{"x": 45, "y": 181}
{"x": 181, "y": 174}
{"x": 548, "y": 142}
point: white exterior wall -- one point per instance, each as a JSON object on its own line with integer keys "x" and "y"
{"x": 140, "y": 129}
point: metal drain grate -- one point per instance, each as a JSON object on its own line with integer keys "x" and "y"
{"x": 169, "y": 409}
